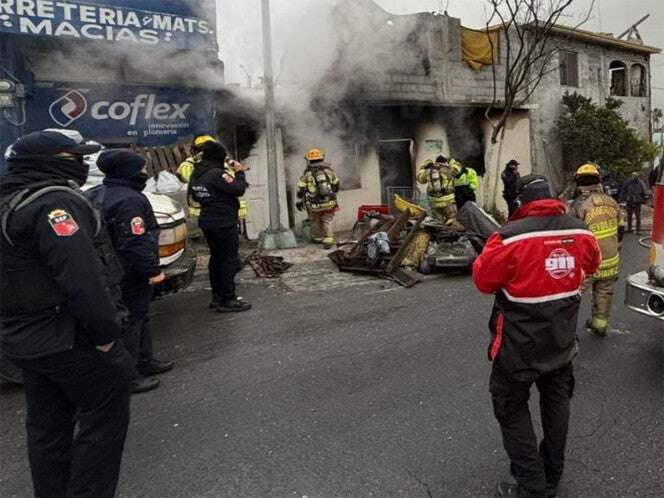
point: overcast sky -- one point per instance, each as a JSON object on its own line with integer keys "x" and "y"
{"x": 240, "y": 35}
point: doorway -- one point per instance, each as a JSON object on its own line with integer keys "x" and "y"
{"x": 395, "y": 158}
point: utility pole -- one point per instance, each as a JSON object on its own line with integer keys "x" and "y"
{"x": 276, "y": 236}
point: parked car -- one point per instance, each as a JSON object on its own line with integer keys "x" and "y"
{"x": 645, "y": 290}
{"x": 176, "y": 256}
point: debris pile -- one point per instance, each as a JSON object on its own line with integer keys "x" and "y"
{"x": 265, "y": 266}
{"x": 397, "y": 248}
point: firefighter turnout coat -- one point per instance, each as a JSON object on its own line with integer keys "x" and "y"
{"x": 440, "y": 184}
{"x": 318, "y": 188}
{"x": 602, "y": 215}
{"x": 535, "y": 266}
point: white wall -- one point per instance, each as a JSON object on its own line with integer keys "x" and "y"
{"x": 516, "y": 145}
{"x": 258, "y": 215}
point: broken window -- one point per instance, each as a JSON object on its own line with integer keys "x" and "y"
{"x": 618, "y": 76}
{"x": 569, "y": 68}
{"x": 637, "y": 77}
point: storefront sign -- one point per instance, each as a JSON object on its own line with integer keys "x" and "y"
{"x": 111, "y": 23}
{"x": 143, "y": 115}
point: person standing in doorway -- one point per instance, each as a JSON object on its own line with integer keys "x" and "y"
{"x": 217, "y": 185}
{"x": 634, "y": 194}
{"x": 510, "y": 177}
{"x": 535, "y": 265}
{"x": 317, "y": 192}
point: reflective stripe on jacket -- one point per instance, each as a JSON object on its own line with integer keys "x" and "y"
{"x": 440, "y": 195}
{"x": 602, "y": 215}
{"x": 308, "y": 188}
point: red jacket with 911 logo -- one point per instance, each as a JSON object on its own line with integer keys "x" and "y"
{"x": 535, "y": 265}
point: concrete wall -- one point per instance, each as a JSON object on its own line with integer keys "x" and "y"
{"x": 258, "y": 211}
{"x": 594, "y": 82}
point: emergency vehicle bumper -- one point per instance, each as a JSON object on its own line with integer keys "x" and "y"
{"x": 179, "y": 274}
{"x": 643, "y": 297}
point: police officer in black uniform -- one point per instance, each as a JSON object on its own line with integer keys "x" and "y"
{"x": 60, "y": 319}
{"x": 135, "y": 235}
{"x": 217, "y": 185}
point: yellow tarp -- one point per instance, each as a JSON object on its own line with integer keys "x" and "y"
{"x": 476, "y": 46}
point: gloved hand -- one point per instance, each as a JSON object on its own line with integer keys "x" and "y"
{"x": 300, "y": 206}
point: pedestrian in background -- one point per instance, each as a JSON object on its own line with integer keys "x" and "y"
{"x": 217, "y": 185}
{"x": 535, "y": 265}
{"x": 510, "y": 178}
{"x": 135, "y": 235}
{"x": 61, "y": 320}
{"x": 634, "y": 194}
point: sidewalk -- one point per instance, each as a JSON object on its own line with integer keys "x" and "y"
{"x": 312, "y": 270}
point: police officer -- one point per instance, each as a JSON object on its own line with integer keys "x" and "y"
{"x": 535, "y": 265}
{"x": 135, "y": 235}
{"x": 510, "y": 177}
{"x": 60, "y": 320}
{"x": 217, "y": 185}
{"x": 603, "y": 216}
{"x": 317, "y": 191}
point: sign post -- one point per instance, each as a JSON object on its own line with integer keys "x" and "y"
{"x": 276, "y": 236}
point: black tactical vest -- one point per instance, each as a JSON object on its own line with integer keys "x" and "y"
{"x": 26, "y": 285}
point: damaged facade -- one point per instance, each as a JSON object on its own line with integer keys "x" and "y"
{"x": 409, "y": 96}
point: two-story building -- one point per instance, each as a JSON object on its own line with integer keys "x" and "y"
{"x": 406, "y": 88}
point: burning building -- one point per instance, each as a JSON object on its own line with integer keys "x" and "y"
{"x": 405, "y": 88}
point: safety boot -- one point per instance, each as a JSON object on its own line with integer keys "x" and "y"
{"x": 328, "y": 243}
{"x": 597, "y": 327}
{"x": 513, "y": 490}
{"x": 154, "y": 367}
{"x": 233, "y": 306}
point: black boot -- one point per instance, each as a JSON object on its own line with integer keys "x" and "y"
{"x": 154, "y": 367}
{"x": 233, "y": 305}
{"x": 142, "y": 384}
{"x": 512, "y": 490}
{"x": 215, "y": 302}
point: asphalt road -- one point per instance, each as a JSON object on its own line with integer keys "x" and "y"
{"x": 362, "y": 391}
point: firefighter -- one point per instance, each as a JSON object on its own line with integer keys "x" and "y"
{"x": 217, "y": 184}
{"x": 317, "y": 192}
{"x": 440, "y": 188}
{"x": 135, "y": 235}
{"x": 634, "y": 194}
{"x": 466, "y": 183}
{"x": 61, "y": 320}
{"x": 535, "y": 265}
{"x": 602, "y": 215}
{"x": 186, "y": 169}
{"x": 510, "y": 178}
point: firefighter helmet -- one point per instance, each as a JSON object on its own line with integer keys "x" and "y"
{"x": 588, "y": 169}
{"x": 203, "y": 139}
{"x": 456, "y": 166}
{"x": 314, "y": 155}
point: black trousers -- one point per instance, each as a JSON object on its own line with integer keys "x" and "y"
{"x": 633, "y": 210}
{"x": 137, "y": 296}
{"x": 533, "y": 467}
{"x": 84, "y": 387}
{"x": 224, "y": 263}
{"x": 512, "y": 206}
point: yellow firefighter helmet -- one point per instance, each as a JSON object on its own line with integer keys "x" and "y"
{"x": 456, "y": 166}
{"x": 203, "y": 139}
{"x": 588, "y": 169}
{"x": 314, "y": 155}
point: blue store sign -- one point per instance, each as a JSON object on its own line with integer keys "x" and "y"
{"x": 112, "y": 22}
{"x": 144, "y": 115}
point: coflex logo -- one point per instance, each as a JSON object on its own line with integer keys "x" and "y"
{"x": 68, "y": 108}
{"x": 144, "y": 108}
{"x": 560, "y": 264}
